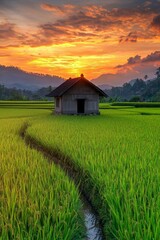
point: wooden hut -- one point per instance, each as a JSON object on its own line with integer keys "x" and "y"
{"x": 77, "y": 96}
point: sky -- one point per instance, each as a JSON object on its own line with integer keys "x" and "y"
{"x": 116, "y": 38}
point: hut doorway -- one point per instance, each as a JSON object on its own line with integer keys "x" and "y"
{"x": 80, "y": 106}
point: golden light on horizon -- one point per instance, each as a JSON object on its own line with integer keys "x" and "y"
{"x": 74, "y": 65}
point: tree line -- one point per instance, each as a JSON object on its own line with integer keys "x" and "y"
{"x": 138, "y": 90}
{"x": 19, "y": 94}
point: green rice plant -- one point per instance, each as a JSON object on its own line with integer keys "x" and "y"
{"x": 11, "y": 112}
{"x": 118, "y": 156}
{"x": 37, "y": 200}
{"x": 137, "y": 104}
{"x": 27, "y": 104}
{"x": 9, "y": 103}
{"x": 144, "y": 111}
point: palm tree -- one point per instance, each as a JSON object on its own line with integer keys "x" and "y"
{"x": 158, "y": 72}
{"x": 146, "y": 77}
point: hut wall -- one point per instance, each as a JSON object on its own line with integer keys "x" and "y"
{"x": 84, "y": 91}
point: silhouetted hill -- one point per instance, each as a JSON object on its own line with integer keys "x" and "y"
{"x": 105, "y": 86}
{"x": 15, "y": 77}
{"x": 112, "y": 79}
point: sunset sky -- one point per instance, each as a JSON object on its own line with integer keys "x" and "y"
{"x": 94, "y": 37}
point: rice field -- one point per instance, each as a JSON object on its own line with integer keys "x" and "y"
{"x": 137, "y": 104}
{"x": 117, "y": 155}
{"x": 37, "y": 200}
{"x": 120, "y": 157}
{"x": 27, "y": 104}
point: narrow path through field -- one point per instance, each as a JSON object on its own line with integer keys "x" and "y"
{"x": 92, "y": 223}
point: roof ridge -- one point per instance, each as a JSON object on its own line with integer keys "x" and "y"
{"x": 65, "y": 86}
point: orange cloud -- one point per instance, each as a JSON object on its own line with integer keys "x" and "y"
{"x": 155, "y": 24}
{"x": 59, "y": 10}
{"x": 75, "y": 39}
{"x": 86, "y": 23}
{"x": 137, "y": 60}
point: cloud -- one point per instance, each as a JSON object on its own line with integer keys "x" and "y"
{"x": 130, "y": 61}
{"x": 50, "y": 7}
{"x": 147, "y": 3}
{"x": 131, "y": 37}
{"x": 133, "y": 60}
{"x": 11, "y": 36}
{"x": 59, "y": 9}
{"x": 80, "y": 22}
{"x": 153, "y": 57}
{"x": 135, "y": 67}
{"x": 10, "y": 46}
{"x": 7, "y": 31}
{"x": 77, "y": 22}
{"x": 53, "y": 30}
{"x": 88, "y": 23}
{"x": 137, "y": 60}
{"x": 4, "y": 55}
{"x": 156, "y": 22}
{"x": 119, "y": 78}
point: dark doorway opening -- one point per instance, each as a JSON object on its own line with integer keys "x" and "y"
{"x": 80, "y": 106}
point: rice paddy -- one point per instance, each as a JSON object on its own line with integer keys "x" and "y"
{"x": 117, "y": 155}
{"x": 37, "y": 200}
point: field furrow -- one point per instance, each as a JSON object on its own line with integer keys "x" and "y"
{"x": 37, "y": 200}
{"x": 118, "y": 156}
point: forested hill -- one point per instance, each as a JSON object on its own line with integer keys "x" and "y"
{"x": 15, "y": 77}
{"x": 138, "y": 90}
{"x": 19, "y": 94}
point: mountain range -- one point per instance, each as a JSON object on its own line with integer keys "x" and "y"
{"x": 13, "y": 77}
